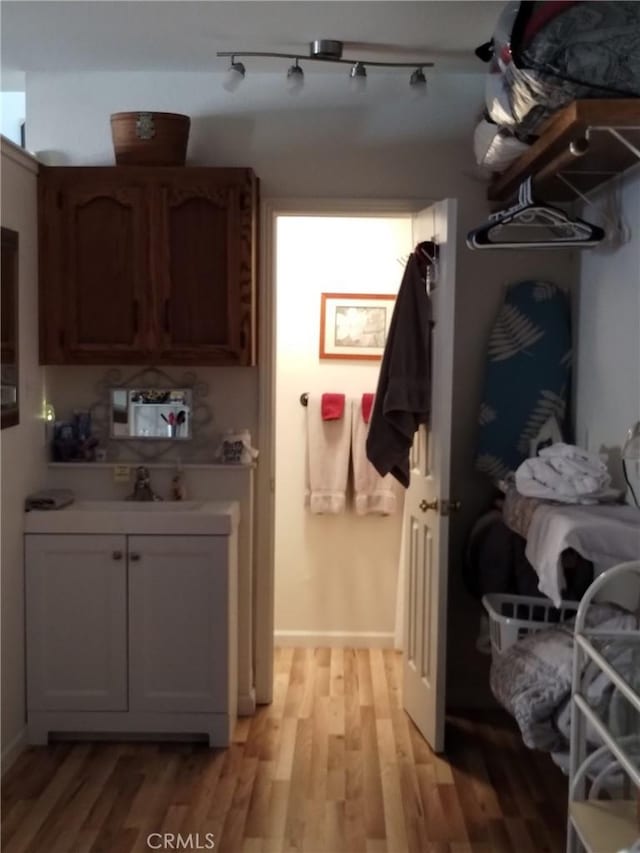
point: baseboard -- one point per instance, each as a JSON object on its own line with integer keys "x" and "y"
{"x": 11, "y": 752}
{"x": 247, "y": 704}
{"x": 335, "y": 639}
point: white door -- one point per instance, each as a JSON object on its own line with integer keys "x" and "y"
{"x": 428, "y": 502}
{"x": 178, "y": 623}
{"x": 76, "y": 615}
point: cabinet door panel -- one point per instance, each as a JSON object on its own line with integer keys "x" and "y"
{"x": 178, "y": 618}
{"x": 207, "y": 269}
{"x": 199, "y": 309}
{"x": 105, "y": 274}
{"x": 76, "y": 606}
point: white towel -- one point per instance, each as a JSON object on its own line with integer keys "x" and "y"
{"x": 328, "y": 445}
{"x": 374, "y": 495}
{"x": 576, "y": 454}
{"x": 563, "y": 473}
{"x": 606, "y": 535}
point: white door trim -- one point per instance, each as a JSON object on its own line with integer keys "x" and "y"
{"x": 264, "y": 569}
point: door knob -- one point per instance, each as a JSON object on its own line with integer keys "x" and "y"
{"x": 134, "y": 557}
{"x": 117, "y": 555}
{"x": 426, "y": 505}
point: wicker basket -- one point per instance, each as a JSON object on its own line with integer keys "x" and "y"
{"x": 150, "y": 139}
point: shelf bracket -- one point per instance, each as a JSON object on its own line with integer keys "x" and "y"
{"x": 615, "y": 133}
{"x": 573, "y": 189}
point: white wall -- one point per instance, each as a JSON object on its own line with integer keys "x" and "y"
{"x": 334, "y": 574}
{"x": 326, "y": 143}
{"x": 21, "y": 446}
{"x": 12, "y": 114}
{"x": 608, "y": 363}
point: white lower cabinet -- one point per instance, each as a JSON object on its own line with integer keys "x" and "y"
{"x": 131, "y": 634}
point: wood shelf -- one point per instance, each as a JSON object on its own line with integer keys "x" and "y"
{"x": 605, "y": 826}
{"x": 584, "y": 142}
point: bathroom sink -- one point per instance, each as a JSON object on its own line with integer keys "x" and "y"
{"x": 175, "y": 518}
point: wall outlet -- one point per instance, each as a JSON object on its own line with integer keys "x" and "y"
{"x": 121, "y": 473}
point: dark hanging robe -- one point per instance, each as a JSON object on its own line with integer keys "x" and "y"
{"x": 403, "y": 397}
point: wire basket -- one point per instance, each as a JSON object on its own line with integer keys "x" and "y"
{"x": 512, "y": 617}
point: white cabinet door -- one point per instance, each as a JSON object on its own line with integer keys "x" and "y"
{"x": 178, "y": 623}
{"x": 76, "y": 615}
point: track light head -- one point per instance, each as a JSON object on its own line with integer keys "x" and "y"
{"x": 358, "y": 77}
{"x": 234, "y": 76}
{"x": 418, "y": 81}
{"x": 295, "y": 79}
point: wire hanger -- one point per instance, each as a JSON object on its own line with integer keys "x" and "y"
{"x": 532, "y": 224}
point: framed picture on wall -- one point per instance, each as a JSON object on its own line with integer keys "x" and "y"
{"x": 354, "y": 325}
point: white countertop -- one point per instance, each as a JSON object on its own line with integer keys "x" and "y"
{"x": 174, "y": 518}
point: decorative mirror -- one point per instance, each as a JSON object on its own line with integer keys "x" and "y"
{"x": 151, "y": 413}
{"x": 9, "y": 408}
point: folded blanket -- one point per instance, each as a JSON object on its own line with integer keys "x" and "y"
{"x": 565, "y": 473}
{"x": 538, "y": 478}
{"x": 532, "y": 679}
{"x": 575, "y": 454}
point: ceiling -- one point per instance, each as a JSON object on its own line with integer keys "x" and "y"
{"x": 183, "y": 36}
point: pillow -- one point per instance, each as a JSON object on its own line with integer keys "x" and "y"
{"x": 494, "y": 147}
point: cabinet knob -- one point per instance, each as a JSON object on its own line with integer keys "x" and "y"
{"x": 117, "y": 555}
{"x": 135, "y": 557}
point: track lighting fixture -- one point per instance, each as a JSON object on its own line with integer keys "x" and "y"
{"x": 358, "y": 77}
{"x": 295, "y": 78}
{"x": 418, "y": 81}
{"x": 322, "y": 50}
{"x": 234, "y": 76}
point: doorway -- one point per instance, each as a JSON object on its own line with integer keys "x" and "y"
{"x": 427, "y": 522}
{"x": 336, "y": 575}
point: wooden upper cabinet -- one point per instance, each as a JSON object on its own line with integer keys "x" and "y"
{"x": 148, "y": 265}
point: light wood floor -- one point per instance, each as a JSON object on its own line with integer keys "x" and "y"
{"x": 333, "y": 765}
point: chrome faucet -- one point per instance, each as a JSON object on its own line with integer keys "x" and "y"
{"x": 142, "y": 490}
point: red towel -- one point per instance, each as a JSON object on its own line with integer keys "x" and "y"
{"x": 367, "y": 405}
{"x": 332, "y": 407}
